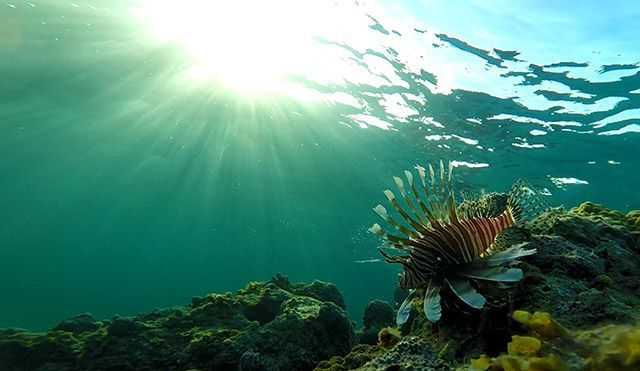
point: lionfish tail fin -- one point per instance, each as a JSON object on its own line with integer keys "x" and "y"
{"x": 525, "y": 202}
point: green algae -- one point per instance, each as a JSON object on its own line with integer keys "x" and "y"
{"x": 261, "y": 325}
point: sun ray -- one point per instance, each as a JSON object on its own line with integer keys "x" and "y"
{"x": 256, "y": 46}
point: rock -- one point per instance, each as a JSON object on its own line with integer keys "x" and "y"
{"x": 261, "y": 327}
{"x": 377, "y": 315}
{"x": 560, "y": 256}
{"x": 602, "y": 282}
{"x": 588, "y": 264}
{"x": 55, "y": 350}
{"x": 262, "y": 302}
{"x": 588, "y": 224}
{"x": 252, "y": 361}
{"x": 124, "y": 327}
{"x": 358, "y": 356}
{"x": 78, "y": 324}
{"x": 323, "y": 291}
{"x": 411, "y": 353}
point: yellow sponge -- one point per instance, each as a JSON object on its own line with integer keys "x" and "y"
{"x": 541, "y": 323}
{"x": 524, "y": 345}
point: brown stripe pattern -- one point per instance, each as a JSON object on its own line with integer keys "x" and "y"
{"x": 452, "y": 243}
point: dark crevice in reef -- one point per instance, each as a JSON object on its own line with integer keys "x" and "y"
{"x": 576, "y": 309}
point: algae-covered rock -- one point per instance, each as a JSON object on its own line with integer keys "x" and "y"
{"x": 588, "y": 224}
{"x": 389, "y": 337}
{"x": 359, "y": 355}
{"x": 587, "y": 269}
{"x": 411, "y": 353}
{"x": 264, "y": 326}
{"x": 378, "y": 314}
{"x": 323, "y": 291}
{"x": 78, "y": 324}
{"x": 603, "y": 348}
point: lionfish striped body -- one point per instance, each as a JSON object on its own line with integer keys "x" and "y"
{"x": 446, "y": 247}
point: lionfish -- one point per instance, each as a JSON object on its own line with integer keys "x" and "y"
{"x": 445, "y": 246}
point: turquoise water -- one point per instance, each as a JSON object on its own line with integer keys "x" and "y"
{"x": 153, "y": 151}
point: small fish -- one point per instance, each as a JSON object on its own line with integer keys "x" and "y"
{"x": 447, "y": 248}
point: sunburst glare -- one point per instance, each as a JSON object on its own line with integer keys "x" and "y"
{"x": 255, "y": 46}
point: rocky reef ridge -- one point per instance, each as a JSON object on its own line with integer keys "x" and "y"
{"x": 272, "y": 325}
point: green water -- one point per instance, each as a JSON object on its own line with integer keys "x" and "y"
{"x": 123, "y": 189}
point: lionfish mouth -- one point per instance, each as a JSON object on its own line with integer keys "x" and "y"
{"x": 443, "y": 246}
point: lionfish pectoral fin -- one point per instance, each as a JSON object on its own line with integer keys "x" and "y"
{"x": 463, "y": 290}
{"x": 495, "y": 274}
{"x": 432, "y": 307}
{"x": 405, "y": 309}
{"x": 508, "y": 255}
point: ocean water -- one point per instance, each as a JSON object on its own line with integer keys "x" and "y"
{"x": 151, "y": 151}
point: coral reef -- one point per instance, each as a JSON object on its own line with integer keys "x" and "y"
{"x": 585, "y": 276}
{"x": 265, "y": 326}
{"x": 577, "y": 308}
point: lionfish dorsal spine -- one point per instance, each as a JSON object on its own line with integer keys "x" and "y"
{"x": 442, "y": 182}
{"x": 421, "y": 210}
{"x": 453, "y": 215}
{"x": 417, "y": 224}
{"x": 417, "y": 227}
{"x": 415, "y": 208}
{"x": 432, "y": 177}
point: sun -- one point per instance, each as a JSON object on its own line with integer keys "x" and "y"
{"x": 252, "y": 45}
